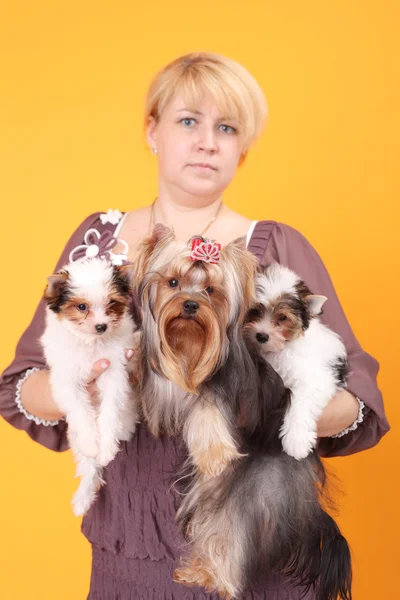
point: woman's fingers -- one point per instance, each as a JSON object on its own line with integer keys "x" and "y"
{"x": 102, "y": 365}
{"x": 129, "y": 352}
{"x": 98, "y": 368}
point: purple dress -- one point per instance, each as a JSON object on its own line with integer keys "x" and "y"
{"x": 135, "y": 540}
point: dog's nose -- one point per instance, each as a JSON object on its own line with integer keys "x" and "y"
{"x": 262, "y": 337}
{"x": 101, "y": 327}
{"x": 190, "y": 306}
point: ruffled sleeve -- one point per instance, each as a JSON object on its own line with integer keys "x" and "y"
{"x": 29, "y": 357}
{"x": 288, "y": 247}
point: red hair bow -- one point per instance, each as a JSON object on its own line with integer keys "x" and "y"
{"x": 206, "y": 251}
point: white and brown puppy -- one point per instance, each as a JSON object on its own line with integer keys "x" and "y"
{"x": 87, "y": 319}
{"x": 310, "y": 358}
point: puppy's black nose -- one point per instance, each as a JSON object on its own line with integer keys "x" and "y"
{"x": 262, "y": 337}
{"x": 101, "y": 327}
{"x": 190, "y": 306}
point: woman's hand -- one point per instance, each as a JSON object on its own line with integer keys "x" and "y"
{"x": 98, "y": 368}
{"x": 338, "y": 414}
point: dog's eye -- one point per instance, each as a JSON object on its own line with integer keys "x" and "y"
{"x": 173, "y": 283}
{"x": 282, "y": 318}
{"x": 209, "y": 289}
{"x": 254, "y": 313}
{"x": 82, "y": 307}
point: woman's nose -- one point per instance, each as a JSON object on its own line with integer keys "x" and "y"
{"x": 207, "y": 141}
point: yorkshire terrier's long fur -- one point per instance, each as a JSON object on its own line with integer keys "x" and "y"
{"x": 249, "y": 507}
{"x": 194, "y": 361}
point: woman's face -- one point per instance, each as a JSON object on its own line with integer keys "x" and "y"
{"x": 198, "y": 148}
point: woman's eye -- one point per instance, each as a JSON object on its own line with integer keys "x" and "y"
{"x": 82, "y": 307}
{"x": 228, "y": 129}
{"x": 282, "y": 318}
{"x": 173, "y": 283}
{"x": 209, "y": 289}
{"x": 188, "y": 122}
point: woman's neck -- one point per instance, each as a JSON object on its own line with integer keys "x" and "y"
{"x": 187, "y": 213}
{"x": 186, "y": 216}
{"x": 186, "y": 220}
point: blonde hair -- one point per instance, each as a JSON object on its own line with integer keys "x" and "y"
{"x": 236, "y": 93}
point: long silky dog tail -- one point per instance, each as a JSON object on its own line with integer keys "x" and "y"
{"x": 335, "y": 571}
{"x": 323, "y": 561}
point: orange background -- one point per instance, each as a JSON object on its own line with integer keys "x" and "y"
{"x": 74, "y": 77}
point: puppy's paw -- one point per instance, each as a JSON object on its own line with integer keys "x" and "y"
{"x": 126, "y": 435}
{"x": 107, "y": 452}
{"x": 299, "y": 444}
{"x": 87, "y": 445}
{"x": 195, "y": 574}
{"x": 128, "y": 427}
{"x": 224, "y": 593}
{"x": 81, "y": 502}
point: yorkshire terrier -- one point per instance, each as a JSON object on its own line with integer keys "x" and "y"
{"x": 311, "y": 359}
{"x": 87, "y": 318}
{"x": 248, "y": 506}
{"x": 194, "y": 297}
{"x": 264, "y": 513}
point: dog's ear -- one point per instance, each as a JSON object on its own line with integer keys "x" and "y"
{"x": 315, "y": 304}
{"x": 239, "y": 242}
{"x": 123, "y": 280}
{"x": 141, "y": 260}
{"x": 56, "y": 285}
{"x": 249, "y": 270}
{"x": 235, "y": 249}
{"x": 124, "y": 271}
{"x": 161, "y": 232}
{"x": 244, "y": 264}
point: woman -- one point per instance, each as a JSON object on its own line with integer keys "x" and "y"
{"x": 203, "y": 112}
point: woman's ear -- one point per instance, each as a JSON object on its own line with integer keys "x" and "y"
{"x": 242, "y": 158}
{"x": 151, "y": 134}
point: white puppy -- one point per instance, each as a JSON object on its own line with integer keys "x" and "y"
{"x": 310, "y": 358}
{"x": 87, "y": 318}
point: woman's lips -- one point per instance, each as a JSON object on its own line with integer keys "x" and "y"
{"x": 203, "y": 166}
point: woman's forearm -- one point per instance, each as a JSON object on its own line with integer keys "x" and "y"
{"x": 338, "y": 415}
{"x": 37, "y": 399}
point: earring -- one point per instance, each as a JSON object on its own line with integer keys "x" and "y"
{"x": 154, "y": 150}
